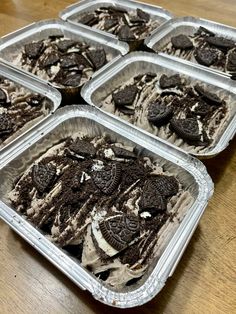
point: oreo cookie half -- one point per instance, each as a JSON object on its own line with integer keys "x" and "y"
{"x": 33, "y": 50}
{"x": 71, "y": 80}
{"x": 220, "y": 42}
{"x": 6, "y": 125}
{"x": 170, "y": 81}
{"x": 166, "y": 185}
{"x": 125, "y": 33}
{"x": 64, "y": 45}
{"x": 143, "y": 15}
{"x": 43, "y": 176}
{"x": 206, "y": 56}
{"x": 83, "y": 148}
{"x": 202, "y": 109}
{"x": 159, "y": 113}
{"x": 126, "y": 96}
{"x": 120, "y": 230}
{"x": 123, "y": 153}
{"x": 50, "y": 60}
{"x": 187, "y": 129}
{"x": 208, "y": 96}
{"x": 181, "y": 42}
{"x": 107, "y": 179}
{"x": 151, "y": 199}
{"x": 97, "y": 57}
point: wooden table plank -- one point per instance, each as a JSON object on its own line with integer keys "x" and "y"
{"x": 205, "y": 279}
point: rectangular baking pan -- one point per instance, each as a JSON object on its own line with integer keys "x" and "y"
{"x": 12, "y": 44}
{"x": 72, "y": 12}
{"x": 33, "y": 84}
{"x": 188, "y": 26}
{"x": 96, "y": 90}
{"x": 67, "y": 121}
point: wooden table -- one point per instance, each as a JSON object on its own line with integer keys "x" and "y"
{"x": 205, "y": 279}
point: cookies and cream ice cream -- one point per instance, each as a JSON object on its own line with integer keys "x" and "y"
{"x": 20, "y": 108}
{"x": 206, "y": 48}
{"x": 185, "y": 114}
{"x": 110, "y": 208}
{"x": 127, "y": 25}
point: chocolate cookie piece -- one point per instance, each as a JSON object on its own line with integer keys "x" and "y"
{"x": 89, "y": 19}
{"x": 107, "y": 179}
{"x": 208, "y": 96}
{"x": 143, "y": 15}
{"x": 170, "y": 81}
{"x": 74, "y": 60}
{"x": 202, "y": 30}
{"x": 83, "y": 148}
{"x": 127, "y": 111}
{"x": 131, "y": 255}
{"x": 50, "y": 59}
{"x": 159, "y": 113}
{"x": 151, "y": 199}
{"x": 231, "y": 62}
{"x": 187, "y": 129}
{"x": 6, "y": 124}
{"x": 64, "y": 45}
{"x": 120, "y": 230}
{"x": 166, "y": 185}
{"x": 206, "y": 56}
{"x": 33, "y": 50}
{"x": 202, "y": 109}
{"x": 181, "y": 42}
{"x": 125, "y": 33}
{"x": 116, "y": 9}
{"x": 43, "y": 176}
{"x": 110, "y": 23}
{"x": 35, "y": 100}
{"x": 123, "y": 153}
{"x": 97, "y": 57}
{"x": 72, "y": 80}
{"x": 220, "y": 42}
{"x": 126, "y": 96}
{"x": 3, "y": 97}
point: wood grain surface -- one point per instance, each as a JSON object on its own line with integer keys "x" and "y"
{"x": 205, "y": 279}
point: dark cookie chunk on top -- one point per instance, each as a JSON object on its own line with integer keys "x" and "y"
{"x": 231, "y": 62}
{"x": 35, "y": 100}
{"x": 33, "y": 50}
{"x": 143, "y": 15}
{"x": 89, "y": 19}
{"x": 97, "y": 57}
{"x": 123, "y": 153}
{"x": 202, "y": 108}
{"x": 72, "y": 80}
{"x": 126, "y": 96}
{"x": 50, "y": 59}
{"x": 181, "y": 42}
{"x": 107, "y": 179}
{"x": 206, "y": 56}
{"x": 220, "y": 42}
{"x": 3, "y": 97}
{"x": 83, "y": 148}
{"x": 170, "y": 81}
{"x": 120, "y": 230}
{"x": 74, "y": 59}
{"x": 159, "y": 113}
{"x": 187, "y": 129}
{"x": 125, "y": 33}
{"x": 6, "y": 124}
{"x": 64, "y": 45}
{"x": 208, "y": 96}
{"x": 151, "y": 199}
{"x": 166, "y": 185}
{"x": 43, "y": 176}
{"x": 111, "y": 22}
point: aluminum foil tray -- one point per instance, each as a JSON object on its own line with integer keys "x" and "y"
{"x": 12, "y": 44}
{"x": 33, "y": 84}
{"x": 72, "y": 120}
{"x": 95, "y": 91}
{"x": 74, "y": 11}
{"x": 188, "y": 26}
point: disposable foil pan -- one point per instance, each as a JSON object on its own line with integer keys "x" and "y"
{"x": 88, "y": 120}
{"x": 188, "y": 26}
{"x": 96, "y": 90}
{"x": 12, "y": 44}
{"x": 35, "y": 85}
{"x": 74, "y": 11}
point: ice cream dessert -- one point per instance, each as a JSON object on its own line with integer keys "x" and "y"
{"x": 19, "y": 109}
{"x": 64, "y": 62}
{"x": 127, "y": 25}
{"x": 185, "y": 114}
{"x": 112, "y": 209}
{"x": 206, "y": 48}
